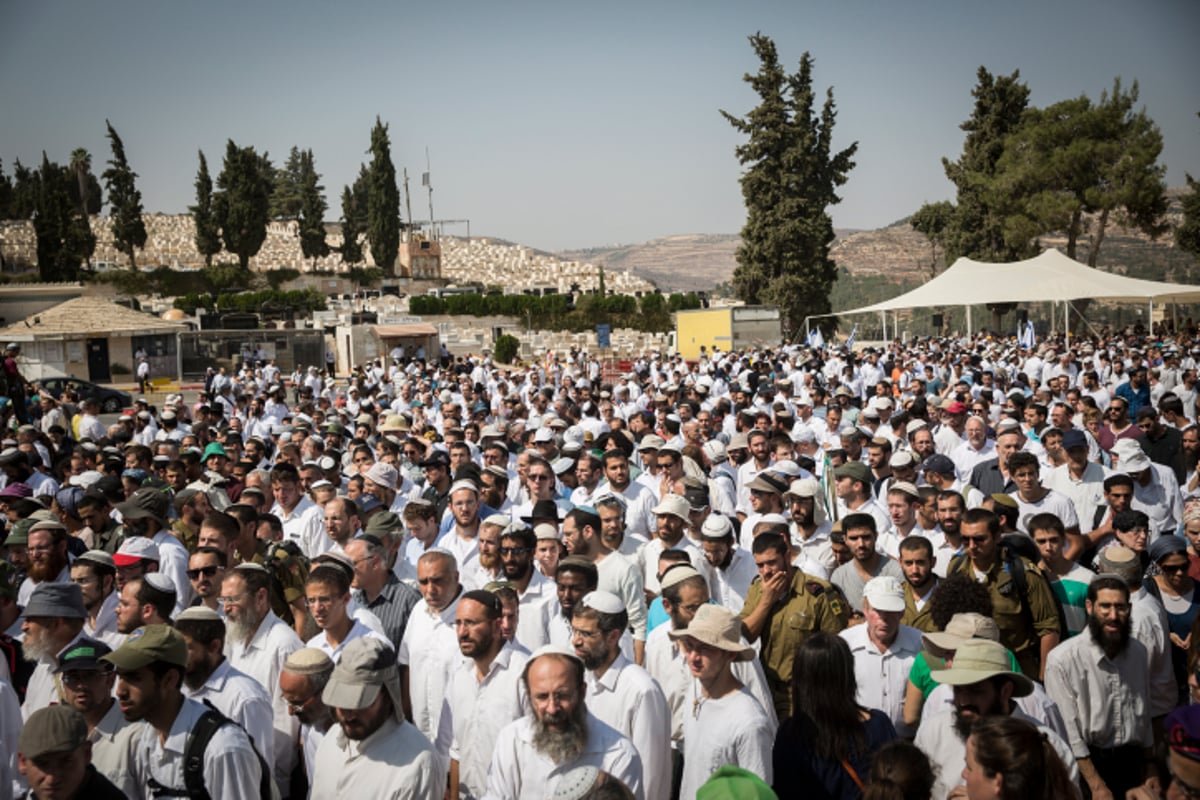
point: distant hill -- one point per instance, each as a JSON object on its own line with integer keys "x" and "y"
{"x": 896, "y": 254}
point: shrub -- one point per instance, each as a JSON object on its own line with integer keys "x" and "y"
{"x": 507, "y": 347}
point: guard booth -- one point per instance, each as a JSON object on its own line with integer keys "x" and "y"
{"x": 357, "y": 344}
{"x": 727, "y": 328}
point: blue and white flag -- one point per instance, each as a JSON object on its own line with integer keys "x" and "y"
{"x": 815, "y": 339}
{"x": 850, "y": 341}
{"x": 1025, "y": 337}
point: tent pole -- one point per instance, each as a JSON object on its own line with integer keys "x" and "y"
{"x": 883, "y": 324}
{"x": 968, "y": 322}
{"x": 1150, "y": 320}
{"x": 1067, "y": 323}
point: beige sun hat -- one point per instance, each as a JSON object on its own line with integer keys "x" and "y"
{"x": 978, "y": 660}
{"x": 717, "y": 627}
{"x": 961, "y": 628}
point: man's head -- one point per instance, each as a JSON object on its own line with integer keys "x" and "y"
{"x": 581, "y": 533}
{"x": 478, "y": 625}
{"x": 916, "y": 559}
{"x": 517, "y": 545}
{"x": 95, "y": 574}
{"x": 596, "y": 627}
{"x": 206, "y": 570}
{"x": 981, "y": 536}
{"x": 245, "y": 598}
{"x": 712, "y": 641}
{"x": 684, "y": 591}
{"x": 364, "y": 688}
{"x": 883, "y": 606}
{"x": 983, "y": 683}
{"x": 861, "y": 533}
{"x": 554, "y": 683}
{"x": 87, "y": 682}
{"x": 771, "y": 555}
{"x": 1118, "y": 492}
{"x": 1109, "y": 614}
{"x": 47, "y": 550}
{"x": 437, "y": 577}
{"x": 304, "y": 676}
{"x": 574, "y": 577}
{"x": 327, "y": 595}
{"x": 53, "y": 752}
{"x": 150, "y": 667}
{"x": 204, "y": 631}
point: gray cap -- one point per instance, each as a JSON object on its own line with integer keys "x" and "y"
{"x": 53, "y": 729}
{"x": 63, "y": 600}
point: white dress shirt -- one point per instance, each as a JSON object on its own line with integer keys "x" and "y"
{"x": 730, "y": 584}
{"x": 520, "y": 772}
{"x": 1105, "y": 702}
{"x": 622, "y": 577}
{"x": 231, "y": 769}
{"x": 172, "y": 562}
{"x": 305, "y": 526}
{"x": 321, "y": 640}
{"x": 533, "y": 617}
{"x": 394, "y": 763}
{"x": 475, "y": 710}
{"x": 263, "y": 659}
{"x": 882, "y": 676}
{"x": 430, "y": 651}
{"x": 243, "y": 700}
{"x": 629, "y": 700}
{"x": 114, "y": 745}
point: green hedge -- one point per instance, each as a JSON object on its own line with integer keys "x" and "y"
{"x": 300, "y": 299}
{"x": 651, "y": 313}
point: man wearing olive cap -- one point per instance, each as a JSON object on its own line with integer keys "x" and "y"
{"x": 150, "y": 668}
{"x": 55, "y": 757}
{"x": 374, "y": 752}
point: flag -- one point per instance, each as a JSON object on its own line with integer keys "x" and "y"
{"x": 1026, "y": 338}
{"x": 424, "y": 178}
{"x": 850, "y": 341}
{"x": 815, "y": 339}
{"x": 828, "y": 491}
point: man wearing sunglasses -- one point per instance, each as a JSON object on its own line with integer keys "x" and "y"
{"x": 206, "y": 570}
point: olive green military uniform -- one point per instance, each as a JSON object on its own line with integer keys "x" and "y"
{"x": 810, "y": 605}
{"x": 920, "y": 618}
{"x": 1015, "y": 632}
{"x": 289, "y": 572}
{"x": 183, "y": 532}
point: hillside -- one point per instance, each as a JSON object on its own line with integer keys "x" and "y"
{"x": 897, "y": 254}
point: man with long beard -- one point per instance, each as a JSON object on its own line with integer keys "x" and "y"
{"x": 259, "y": 643}
{"x": 984, "y": 686}
{"x": 48, "y": 561}
{"x": 53, "y": 622}
{"x": 533, "y": 753}
{"x": 1101, "y": 685}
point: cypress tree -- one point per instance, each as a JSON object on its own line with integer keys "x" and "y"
{"x": 128, "y": 229}
{"x": 312, "y": 210}
{"x": 383, "y": 201}
{"x": 243, "y": 201}
{"x": 208, "y": 232}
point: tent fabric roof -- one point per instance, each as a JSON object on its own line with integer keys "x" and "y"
{"x": 412, "y": 329}
{"x": 88, "y": 316}
{"x": 1050, "y": 276}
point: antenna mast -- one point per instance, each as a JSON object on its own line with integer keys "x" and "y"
{"x": 408, "y": 202}
{"x": 429, "y": 185}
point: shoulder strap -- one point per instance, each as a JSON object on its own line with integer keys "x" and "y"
{"x": 193, "y": 755}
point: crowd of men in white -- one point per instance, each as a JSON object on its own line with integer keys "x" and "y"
{"x": 464, "y": 581}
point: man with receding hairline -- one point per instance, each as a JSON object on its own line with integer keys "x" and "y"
{"x": 429, "y": 646}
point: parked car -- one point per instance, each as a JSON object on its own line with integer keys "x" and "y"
{"x": 111, "y": 400}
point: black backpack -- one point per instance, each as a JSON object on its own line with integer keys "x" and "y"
{"x": 193, "y": 755}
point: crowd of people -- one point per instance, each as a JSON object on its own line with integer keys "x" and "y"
{"x": 948, "y": 568}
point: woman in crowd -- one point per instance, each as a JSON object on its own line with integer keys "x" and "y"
{"x": 1010, "y": 759}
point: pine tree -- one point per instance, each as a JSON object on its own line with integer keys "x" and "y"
{"x": 243, "y": 201}
{"x": 352, "y": 228}
{"x": 790, "y": 179}
{"x": 312, "y": 210}
{"x": 128, "y": 229}
{"x": 383, "y": 201}
{"x": 287, "y": 196}
{"x": 208, "y": 232}
{"x": 1187, "y": 235}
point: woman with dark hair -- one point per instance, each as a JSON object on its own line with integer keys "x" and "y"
{"x": 824, "y": 749}
{"x": 900, "y": 771}
{"x": 1010, "y": 759}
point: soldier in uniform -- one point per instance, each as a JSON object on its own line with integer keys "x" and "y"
{"x": 783, "y": 607}
{"x": 1026, "y": 615}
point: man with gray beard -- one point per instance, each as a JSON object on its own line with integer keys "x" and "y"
{"x": 533, "y": 753}
{"x": 258, "y": 643}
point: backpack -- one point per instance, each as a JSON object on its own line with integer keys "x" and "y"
{"x": 277, "y": 554}
{"x": 1010, "y": 555}
{"x": 193, "y": 756}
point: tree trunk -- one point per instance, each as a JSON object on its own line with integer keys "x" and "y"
{"x": 1101, "y": 229}
{"x": 132, "y": 260}
{"x": 1073, "y": 234}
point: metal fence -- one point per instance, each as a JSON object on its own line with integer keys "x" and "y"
{"x": 200, "y": 350}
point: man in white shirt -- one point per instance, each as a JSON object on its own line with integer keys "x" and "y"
{"x": 533, "y": 753}
{"x": 303, "y": 520}
{"x": 53, "y": 623}
{"x": 150, "y": 667}
{"x": 373, "y": 753}
{"x": 145, "y": 514}
{"x": 484, "y": 693}
{"x": 429, "y": 650}
{"x": 210, "y": 678}
{"x": 733, "y": 568}
{"x": 258, "y": 643}
{"x": 535, "y": 592}
{"x": 305, "y": 673}
{"x": 883, "y": 650}
{"x": 620, "y": 692}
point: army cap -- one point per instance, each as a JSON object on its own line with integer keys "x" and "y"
{"x": 148, "y": 645}
{"x": 53, "y": 729}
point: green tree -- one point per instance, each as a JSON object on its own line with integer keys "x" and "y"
{"x": 352, "y": 228}
{"x": 977, "y": 228}
{"x": 6, "y": 194}
{"x": 208, "y": 231}
{"x": 383, "y": 201}
{"x": 1075, "y": 166}
{"x": 61, "y": 243}
{"x": 791, "y": 174}
{"x": 312, "y": 210}
{"x": 1187, "y": 235}
{"x": 86, "y": 192}
{"x": 935, "y": 221}
{"x": 25, "y": 191}
{"x": 287, "y": 195}
{"x": 128, "y": 229}
{"x": 243, "y": 201}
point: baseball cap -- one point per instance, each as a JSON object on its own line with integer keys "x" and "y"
{"x": 884, "y": 593}
{"x": 135, "y": 549}
{"x": 84, "y": 654}
{"x": 856, "y": 470}
{"x": 366, "y": 666}
{"x": 146, "y": 503}
{"x": 148, "y": 645}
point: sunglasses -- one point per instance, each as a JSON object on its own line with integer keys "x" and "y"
{"x": 207, "y": 572}
{"x": 1173, "y": 569}
{"x": 513, "y": 551}
{"x": 975, "y": 539}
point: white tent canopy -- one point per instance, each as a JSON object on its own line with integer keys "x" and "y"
{"x": 1049, "y": 277}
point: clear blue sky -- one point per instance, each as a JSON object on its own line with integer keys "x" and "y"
{"x": 563, "y": 125}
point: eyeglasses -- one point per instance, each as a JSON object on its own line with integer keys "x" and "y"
{"x": 513, "y": 551}
{"x": 667, "y": 464}
{"x": 83, "y": 677}
{"x": 539, "y": 477}
{"x": 975, "y": 539}
{"x": 1173, "y": 569}
{"x": 294, "y": 706}
{"x": 232, "y": 599}
{"x": 207, "y": 572}
{"x": 585, "y": 634}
